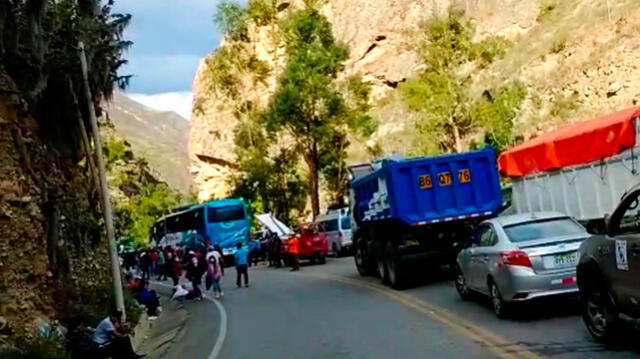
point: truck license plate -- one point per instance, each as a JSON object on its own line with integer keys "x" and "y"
{"x": 561, "y": 260}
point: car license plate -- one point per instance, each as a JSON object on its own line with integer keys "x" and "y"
{"x": 562, "y": 260}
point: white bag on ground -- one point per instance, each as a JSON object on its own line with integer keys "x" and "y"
{"x": 180, "y": 292}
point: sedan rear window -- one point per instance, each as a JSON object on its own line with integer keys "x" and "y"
{"x": 550, "y": 228}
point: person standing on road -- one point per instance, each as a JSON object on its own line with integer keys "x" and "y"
{"x": 153, "y": 256}
{"x": 162, "y": 270}
{"x": 173, "y": 265}
{"x": 215, "y": 272}
{"x": 293, "y": 251}
{"x": 242, "y": 264}
{"x": 145, "y": 264}
{"x": 194, "y": 274}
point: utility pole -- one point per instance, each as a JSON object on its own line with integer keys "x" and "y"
{"x": 104, "y": 189}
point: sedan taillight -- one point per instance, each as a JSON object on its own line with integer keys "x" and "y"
{"x": 516, "y": 258}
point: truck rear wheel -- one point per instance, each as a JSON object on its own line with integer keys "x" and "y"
{"x": 363, "y": 261}
{"x": 381, "y": 265}
{"x": 396, "y": 269}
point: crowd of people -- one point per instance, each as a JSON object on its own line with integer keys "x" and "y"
{"x": 164, "y": 263}
{"x": 197, "y": 266}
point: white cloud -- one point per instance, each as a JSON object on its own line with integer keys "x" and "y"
{"x": 179, "y": 102}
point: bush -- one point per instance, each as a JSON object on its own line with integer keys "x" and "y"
{"x": 50, "y": 348}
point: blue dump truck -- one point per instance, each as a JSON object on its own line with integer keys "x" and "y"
{"x": 411, "y": 215}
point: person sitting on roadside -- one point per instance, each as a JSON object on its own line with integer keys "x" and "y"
{"x": 112, "y": 339}
{"x": 149, "y": 299}
{"x": 134, "y": 285}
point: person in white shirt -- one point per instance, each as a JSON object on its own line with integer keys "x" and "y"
{"x": 112, "y": 339}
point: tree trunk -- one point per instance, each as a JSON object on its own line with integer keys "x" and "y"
{"x": 456, "y": 138}
{"x": 311, "y": 157}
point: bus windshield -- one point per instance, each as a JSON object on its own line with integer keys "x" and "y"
{"x": 225, "y": 214}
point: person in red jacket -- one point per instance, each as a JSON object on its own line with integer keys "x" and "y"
{"x": 153, "y": 255}
{"x": 293, "y": 251}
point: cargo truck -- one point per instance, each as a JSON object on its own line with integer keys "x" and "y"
{"x": 582, "y": 170}
{"x": 412, "y": 215}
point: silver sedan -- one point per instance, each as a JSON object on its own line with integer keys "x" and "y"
{"x": 520, "y": 257}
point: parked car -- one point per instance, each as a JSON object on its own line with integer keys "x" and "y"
{"x": 609, "y": 269}
{"x": 520, "y": 257}
{"x": 312, "y": 245}
{"x": 336, "y": 225}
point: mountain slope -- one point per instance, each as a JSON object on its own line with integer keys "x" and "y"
{"x": 575, "y": 59}
{"x": 160, "y": 137}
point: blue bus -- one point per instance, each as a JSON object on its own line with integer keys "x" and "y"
{"x": 224, "y": 222}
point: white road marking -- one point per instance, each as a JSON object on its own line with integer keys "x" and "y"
{"x": 222, "y": 333}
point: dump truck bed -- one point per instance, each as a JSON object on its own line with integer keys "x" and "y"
{"x": 427, "y": 190}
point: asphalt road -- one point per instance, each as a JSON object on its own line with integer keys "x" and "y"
{"x": 329, "y": 311}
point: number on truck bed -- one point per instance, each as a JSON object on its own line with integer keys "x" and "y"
{"x": 424, "y": 181}
{"x": 445, "y": 179}
{"x": 464, "y": 176}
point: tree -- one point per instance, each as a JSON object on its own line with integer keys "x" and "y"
{"x": 139, "y": 197}
{"x": 308, "y": 105}
{"x": 448, "y": 114}
{"x": 496, "y": 110}
{"x": 231, "y": 19}
{"x": 438, "y": 93}
{"x": 38, "y": 49}
{"x": 270, "y": 179}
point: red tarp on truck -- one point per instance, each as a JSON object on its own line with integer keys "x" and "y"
{"x": 572, "y": 145}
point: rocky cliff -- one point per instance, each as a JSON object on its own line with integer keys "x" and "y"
{"x": 575, "y": 58}
{"x": 53, "y": 257}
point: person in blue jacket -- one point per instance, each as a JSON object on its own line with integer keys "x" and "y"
{"x": 242, "y": 264}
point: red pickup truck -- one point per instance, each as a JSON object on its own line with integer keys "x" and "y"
{"x": 312, "y": 245}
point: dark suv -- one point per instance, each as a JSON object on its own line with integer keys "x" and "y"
{"x": 609, "y": 269}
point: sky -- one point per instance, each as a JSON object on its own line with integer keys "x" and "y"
{"x": 170, "y": 37}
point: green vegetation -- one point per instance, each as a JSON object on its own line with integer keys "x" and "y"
{"x": 496, "y": 111}
{"x": 309, "y": 119}
{"x": 139, "y": 198}
{"x": 308, "y": 105}
{"x": 449, "y": 115}
{"x": 38, "y": 42}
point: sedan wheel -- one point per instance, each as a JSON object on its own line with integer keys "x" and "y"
{"x": 499, "y": 305}
{"x": 461, "y": 285}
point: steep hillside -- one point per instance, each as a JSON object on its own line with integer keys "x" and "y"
{"x": 160, "y": 137}
{"x": 574, "y": 58}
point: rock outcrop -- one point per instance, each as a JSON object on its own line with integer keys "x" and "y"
{"x": 565, "y": 53}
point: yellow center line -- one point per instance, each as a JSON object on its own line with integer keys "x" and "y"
{"x": 494, "y": 342}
